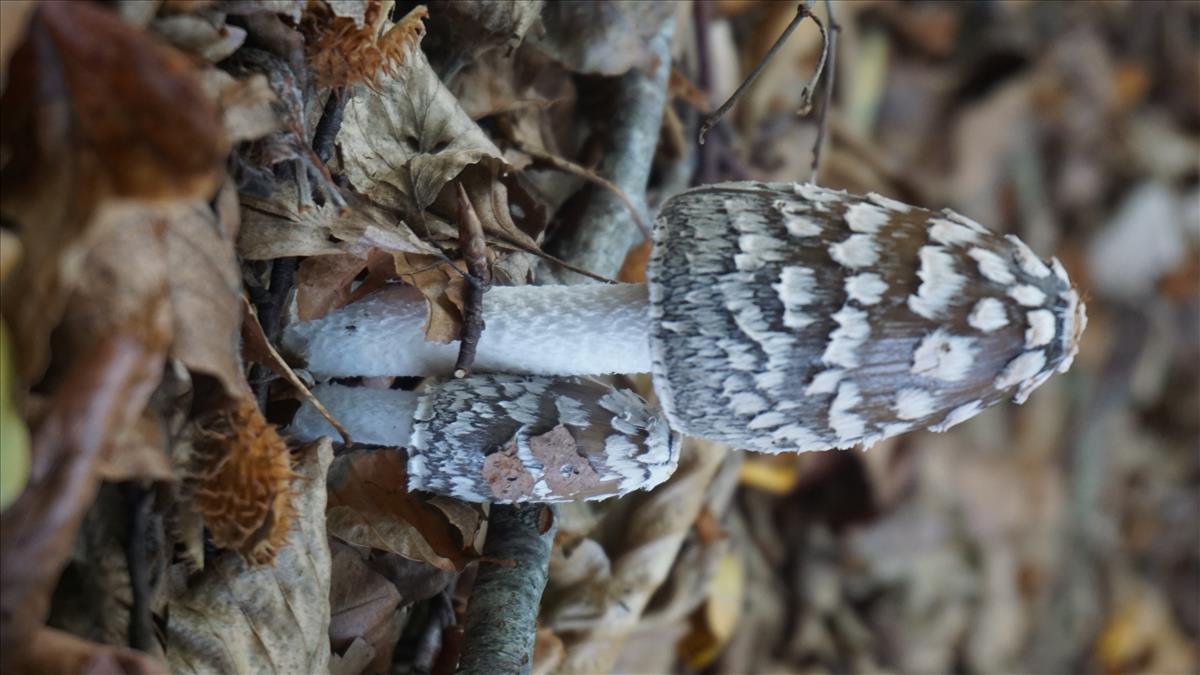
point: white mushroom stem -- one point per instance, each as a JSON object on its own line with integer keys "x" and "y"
{"x": 372, "y": 416}
{"x": 541, "y": 330}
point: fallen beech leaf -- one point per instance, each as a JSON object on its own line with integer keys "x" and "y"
{"x": 370, "y": 505}
{"x": 206, "y": 290}
{"x": 508, "y": 21}
{"x": 14, "y": 18}
{"x": 365, "y": 606}
{"x": 146, "y": 128}
{"x": 276, "y": 227}
{"x": 246, "y": 106}
{"x": 354, "y": 661}
{"x": 104, "y": 389}
{"x": 323, "y": 284}
{"x": 237, "y": 617}
{"x": 55, "y": 651}
{"x": 405, "y": 142}
{"x": 138, "y": 452}
{"x": 714, "y": 623}
{"x": 443, "y": 288}
{"x": 204, "y": 34}
{"x": 652, "y": 528}
{"x": 88, "y": 114}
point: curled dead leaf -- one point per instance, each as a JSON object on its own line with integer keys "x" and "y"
{"x": 370, "y": 505}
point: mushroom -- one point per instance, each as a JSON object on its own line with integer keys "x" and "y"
{"x": 506, "y": 438}
{"x": 776, "y": 317}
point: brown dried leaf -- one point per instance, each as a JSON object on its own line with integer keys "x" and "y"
{"x": 323, "y": 284}
{"x": 444, "y": 290}
{"x": 602, "y": 38}
{"x": 276, "y": 227}
{"x": 79, "y": 124}
{"x": 138, "y": 119}
{"x": 206, "y": 290}
{"x": 403, "y": 144}
{"x": 365, "y": 606}
{"x": 647, "y": 533}
{"x": 507, "y": 21}
{"x": 56, "y": 651}
{"x": 369, "y": 505}
{"x": 138, "y": 452}
{"x": 247, "y": 105}
{"x": 236, "y": 617}
{"x": 104, "y": 390}
{"x": 14, "y": 18}
{"x": 203, "y": 34}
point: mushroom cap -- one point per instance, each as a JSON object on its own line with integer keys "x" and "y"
{"x": 514, "y": 438}
{"x": 794, "y": 317}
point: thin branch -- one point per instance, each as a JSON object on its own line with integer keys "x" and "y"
{"x": 140, "y": 501}
{"x": 502, "y": 613}
{"x": 602, "y": 234}
{"x": 567, "y": 166}
{"x": 828, "y": 55}
{"x": 802, "y": 12}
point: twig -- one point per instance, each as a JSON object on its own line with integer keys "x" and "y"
{"x": 270, "y": 311}
{"x": 802, "y": 12}
{"x": 257, "y": 347}
{"x": 603, "y": 235}
{"x": 502, "y": 614}
{"x": 567, "y": 166}
{"x": 330, "y": 123}
{"x": 140, "y": 501}
{"x": 828, "y": 55}
{"x": 479, "y": 278}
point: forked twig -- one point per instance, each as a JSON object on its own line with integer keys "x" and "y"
{"x": 802, "y": 12}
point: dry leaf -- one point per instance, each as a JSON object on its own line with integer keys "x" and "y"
{"x": 82, "y": 123}
{"x": 138, "y": 452}
{"x": 276, "y": 227}
{"x": 139, "y": 121}
{"x": 237, "y": 617}
{"x": 647, "y": 534}
{"x": 14, "y": 18}
{"x": 365, "y": 606}
{"x": 370, "y": 505}
{"x": 323, "y": 284}
{"x": 403, "y": 144}
{"x": 511, "y": 20}
{"x": 247, "y": 106}
{"x": 55, "y": 651}
{"x": 206, "y": 290}
{"x": 105, "y": 389}
{"x": 204, "y": 34}
{"x": 443, "y": 288}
